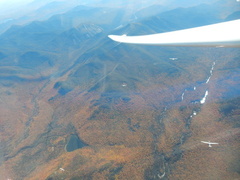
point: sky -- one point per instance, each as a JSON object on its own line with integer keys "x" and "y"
{"x": 12, "y": 8}
{"x": 5, "y": 3}
{"x": 10, "y": 5}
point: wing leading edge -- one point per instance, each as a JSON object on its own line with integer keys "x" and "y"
{"x": 225, "y": 34}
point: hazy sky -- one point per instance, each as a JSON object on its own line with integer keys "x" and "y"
{"x": 13, "y": 2}
{"x": 6, "y": 5}
{"x": 9, "y": 8}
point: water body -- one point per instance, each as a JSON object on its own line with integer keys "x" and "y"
{"x": 211, "y": 72}
{"x": 183, "y": 94}
{"x": 74, "y": 142}
{"x": 204, "y": 98}
{"x": 193, "y": 114}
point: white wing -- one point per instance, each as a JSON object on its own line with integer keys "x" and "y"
{"x": 208, "y": 142}
{"x": 224, "y": 34}
{"x": 212, "y": 143}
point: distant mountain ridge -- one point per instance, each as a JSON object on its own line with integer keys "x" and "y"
{"x": 77, "y": 27}
{"x": 42, "y": 10}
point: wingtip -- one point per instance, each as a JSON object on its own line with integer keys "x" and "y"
{"x": 114, "y": 37}
{"x": 119, "y": 38}
{"x": 110, "y": 36}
